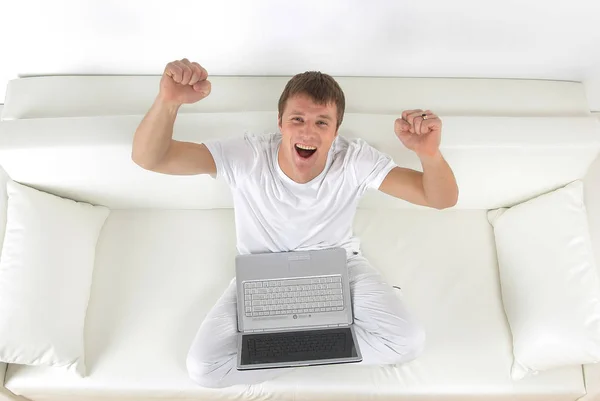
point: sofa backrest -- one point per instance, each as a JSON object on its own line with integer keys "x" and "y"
{"x": 506, "y": 140}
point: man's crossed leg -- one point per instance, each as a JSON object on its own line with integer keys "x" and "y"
{"x": 386, "y": 332}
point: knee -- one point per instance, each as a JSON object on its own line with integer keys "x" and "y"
{"x": 202, "y": 373}
{"x": 410, "y": 343}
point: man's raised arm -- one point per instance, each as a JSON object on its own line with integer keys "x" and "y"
{"x": 153, "y": 147}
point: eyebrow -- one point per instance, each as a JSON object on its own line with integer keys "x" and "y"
{"x": 324, "y": 116}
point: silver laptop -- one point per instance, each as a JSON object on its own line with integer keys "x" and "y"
{"x": 294, "y": 309}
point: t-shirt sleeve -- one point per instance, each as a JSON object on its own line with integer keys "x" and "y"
{"x": 370, "y": 165}
{"x": 234, "y": 157}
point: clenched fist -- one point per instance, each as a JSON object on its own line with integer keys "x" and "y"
{"x": 420, "y": 131}
{"x": 184, "y": 82}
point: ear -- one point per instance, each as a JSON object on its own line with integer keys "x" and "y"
{"x": 279, "y": 120}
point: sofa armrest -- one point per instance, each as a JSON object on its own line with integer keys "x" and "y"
{"x": 592, "y": 199}
{"x": 591, "y": 374}
{"x": 6, "y": 395}
{"x": 3, "y": 367}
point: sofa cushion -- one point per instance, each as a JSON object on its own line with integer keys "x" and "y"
{"x": 158, "y": 273}
{"x": 45, "y": 277}
{"x": 516, "y": 158}
{"x": 549, "y": 280}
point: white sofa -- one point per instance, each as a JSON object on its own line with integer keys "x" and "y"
{"x": 166, "y": 251}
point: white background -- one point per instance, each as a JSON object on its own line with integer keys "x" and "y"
{"x": 538, "y": 39}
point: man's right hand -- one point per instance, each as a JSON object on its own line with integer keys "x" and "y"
{"x": 184, "y": 82}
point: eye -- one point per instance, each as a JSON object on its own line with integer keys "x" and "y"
{"x": 322, "y": 122}
{"x": 297, "y": 119}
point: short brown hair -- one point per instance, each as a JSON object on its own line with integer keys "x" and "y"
{"x": 322, "y": 88}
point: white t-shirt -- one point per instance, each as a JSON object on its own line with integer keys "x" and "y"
{"x": 273, "y": 213}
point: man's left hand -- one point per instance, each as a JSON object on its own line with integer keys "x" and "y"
{"x": 418, "y": 133}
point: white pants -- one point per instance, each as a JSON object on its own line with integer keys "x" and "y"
{"x": 386, "y": 333}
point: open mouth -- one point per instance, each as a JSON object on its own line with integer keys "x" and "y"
{"x": 305, "y": 151}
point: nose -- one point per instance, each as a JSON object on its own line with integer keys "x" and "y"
{"x": 309, "y": 130}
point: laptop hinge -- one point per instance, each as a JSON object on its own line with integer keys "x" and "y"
{"x": 282, "y": 329}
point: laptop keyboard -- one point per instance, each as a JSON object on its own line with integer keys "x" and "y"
{"x": 292, "y": 296}
{"x": 281, "y": 347}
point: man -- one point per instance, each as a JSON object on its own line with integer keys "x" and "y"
{"x": 298, "y": 190}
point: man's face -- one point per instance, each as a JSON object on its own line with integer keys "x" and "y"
{"x": 305, "y": 124}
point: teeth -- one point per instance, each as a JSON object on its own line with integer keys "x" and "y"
{"x": 306, "y": 147}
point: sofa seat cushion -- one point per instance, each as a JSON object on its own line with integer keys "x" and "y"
{"x": 158, "y": 273}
